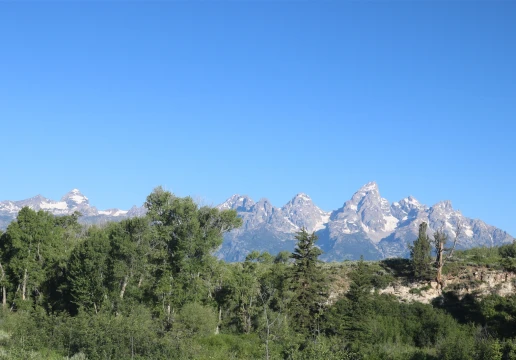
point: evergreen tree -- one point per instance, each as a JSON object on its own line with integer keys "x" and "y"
{"x": 420, "y": 254}
{"x": 308, "y": 283}
{"x": 358, "y": 310}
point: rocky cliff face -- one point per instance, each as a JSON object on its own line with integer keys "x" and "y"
{"x": 476, "y": 281}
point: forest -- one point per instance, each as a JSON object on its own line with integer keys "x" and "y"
{"x": 150, "y": 288}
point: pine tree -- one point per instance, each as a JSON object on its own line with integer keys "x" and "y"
{"x": 308, "y": 283}
{"x": 420, "y": 254}
{"x": 360, "y": 305}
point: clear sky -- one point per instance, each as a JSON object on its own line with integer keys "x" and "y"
{"x": 264, "y": 98}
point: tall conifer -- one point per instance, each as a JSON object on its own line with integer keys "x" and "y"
{"x": 308, "y": 283}
{"x": 420, "y": 254}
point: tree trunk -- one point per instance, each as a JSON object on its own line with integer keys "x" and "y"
{"x": 124, "y": 285}
{"x": 4, "y": 294}
{"x": 439, "y": 262}
{"x": 217, "y": 330}
{"x": 24, "y": 284}
{"x": 268, "y": 332}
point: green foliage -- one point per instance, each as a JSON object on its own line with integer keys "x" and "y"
{"x": 488, "y": 349}
{"x": 325, "y": 348}
{"x": 31, "y": 249}
{"x": 420, "y": 254}
{"x": 508, "y": 254}
{"x": 308, "y": 283}
{"x": 150, "y": 288}
{"x": 88, "y": 271}
{"x": 195, "y": 320}
{"x": 183, "y": 237}
{"x": 283, "y": 257}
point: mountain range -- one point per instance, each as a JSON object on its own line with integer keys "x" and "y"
{"x": 69, "y": 203}
{"x": 367, "y": 224}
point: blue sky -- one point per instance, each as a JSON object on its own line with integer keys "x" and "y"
{"x": 261, "y": 98}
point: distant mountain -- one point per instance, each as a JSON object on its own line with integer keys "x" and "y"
{"x": 267, "y": 228}
{"x": 69, "y": 203}
{"x": 367, "y": 225}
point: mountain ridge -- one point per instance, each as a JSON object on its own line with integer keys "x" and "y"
{"x": 366, "y": 224}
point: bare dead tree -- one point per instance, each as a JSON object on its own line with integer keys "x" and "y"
{"x": 266, "y": 298}
{"x": 444, "y": 253}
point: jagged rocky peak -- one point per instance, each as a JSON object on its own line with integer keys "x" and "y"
{"x": 264, "y": 208}
{"x": 444, "y": 205}
{"x": 368, "y": 190}
{"x": 407, "y": 208}
{"x": 370, "y": 186}
{"x": 302, "y": 212}
{"x": 301, "y": 198}
{"x": 367, "y": 198}
{"x": 75, "y": 198}
{"x": 366, "y": 212}
{"x": 237, "y": 202}
{"x": 136, "y": 211}
{"x": 298, "y": 203}
{"x": 410, "y": 202}
{"x": 443, "y": 214}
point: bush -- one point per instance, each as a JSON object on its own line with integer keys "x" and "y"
{"x": 196, "y": 320}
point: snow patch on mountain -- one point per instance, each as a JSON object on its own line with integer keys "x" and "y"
{"x": 61, "y": 205}
{"x": 71, "y": 202}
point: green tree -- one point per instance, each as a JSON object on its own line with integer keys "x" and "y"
{"x": 508, "y": 254}
{"x": 129, "y": 250}
{"x": 420, "y": 254}
{"x": 88, "y": 271}
{"x": 4, "y": 282}
{"x": 183, "y": 238}
{"x": 308, "y": 284}
{"x": 359, "y": 304}
{"x": 283, "y": 257}
{"x": 31, "y": 247}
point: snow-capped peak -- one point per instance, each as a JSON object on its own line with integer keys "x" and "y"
{"x": 236, "y": 202}
{"x": 446, "y": 204}
{"x": 301, "y": 197}
{"x": 75, "y": 198}
{"x": 370, "y": 186}
{"x": 302, "y": 212}
{"x": 72, "y": 201}
{"x": 409, "y": 203}
{"x": 407, "y": 208}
